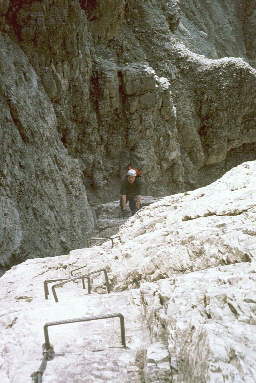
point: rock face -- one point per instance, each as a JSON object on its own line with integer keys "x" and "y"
{"x": 88, "y": 86}
{"x": 183, "y": 276}
{"x": 44, "y": 208}
{"x": 207, "y": 318}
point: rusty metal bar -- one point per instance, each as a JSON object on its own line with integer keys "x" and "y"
{"x": 66, "y": 280}
{"x": 47, "y": 344}
{"x": 48, "y": 351}
{"x": 78, "y": 268}
{"x": 94, "y": 272}
{"x": 48, "y": 354}
{"x": 46, "y": 289}
{"x": 110, "y": 238}
{"x": 70, "y": 280}
{"x": 106, "y": 277}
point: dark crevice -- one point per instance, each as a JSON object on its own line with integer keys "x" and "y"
{"x": 12, "y": 15}
{"x": 246, "y": 258}
{"x": 64, "y": 140}
{"x": 89, "y": 7}
{"x": 161, "y": 300}
{"x": 121, "y": 87}
{"x": 203, "y": 131}
{"x": 64, "y": 136}
{"x": 233, "y": 309}
{"x": 95, "y": 90}
{"x": 18, "y": 124}
{"x": 233, "y": 213}
{"x": 123, "y": 98}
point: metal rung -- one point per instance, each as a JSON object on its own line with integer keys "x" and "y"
{"x": 102, "y": 238}
{"x": 47, "y": 281}
{"x": 46, "y": 289}
{"x": 95, "y": 272}
{"x": 47, "y": 344}
{"x": 78, "y": 268}
{"x": 70, "y": 280}
{"x": 66, "y": 280}
{"x": 106, "y": 277}
{"x": 48, "y": 354}
{"x": 48, "y": 351}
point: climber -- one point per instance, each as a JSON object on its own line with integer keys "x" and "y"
{"x": 130, "y": 192}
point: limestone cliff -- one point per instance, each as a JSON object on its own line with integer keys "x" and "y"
{"x": 43, "y": 203}
{"x": 88, "y": 86}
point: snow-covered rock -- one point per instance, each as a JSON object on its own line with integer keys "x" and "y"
{"x": 183, "y": 275}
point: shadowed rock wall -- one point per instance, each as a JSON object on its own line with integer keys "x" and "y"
{"x": 43, "y": 203}
{"x": 120, "y": 81}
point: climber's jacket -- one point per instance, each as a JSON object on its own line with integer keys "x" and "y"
{"x": 131, "y": 190}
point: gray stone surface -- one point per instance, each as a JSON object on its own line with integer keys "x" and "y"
{"x": 10, "y": 229}
{"x": 165, "y": 85}
{"x": 43, "y": 205}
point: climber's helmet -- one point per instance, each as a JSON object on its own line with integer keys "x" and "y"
{"x": 132, "y": 172}
{"x": 131, "y": 175}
